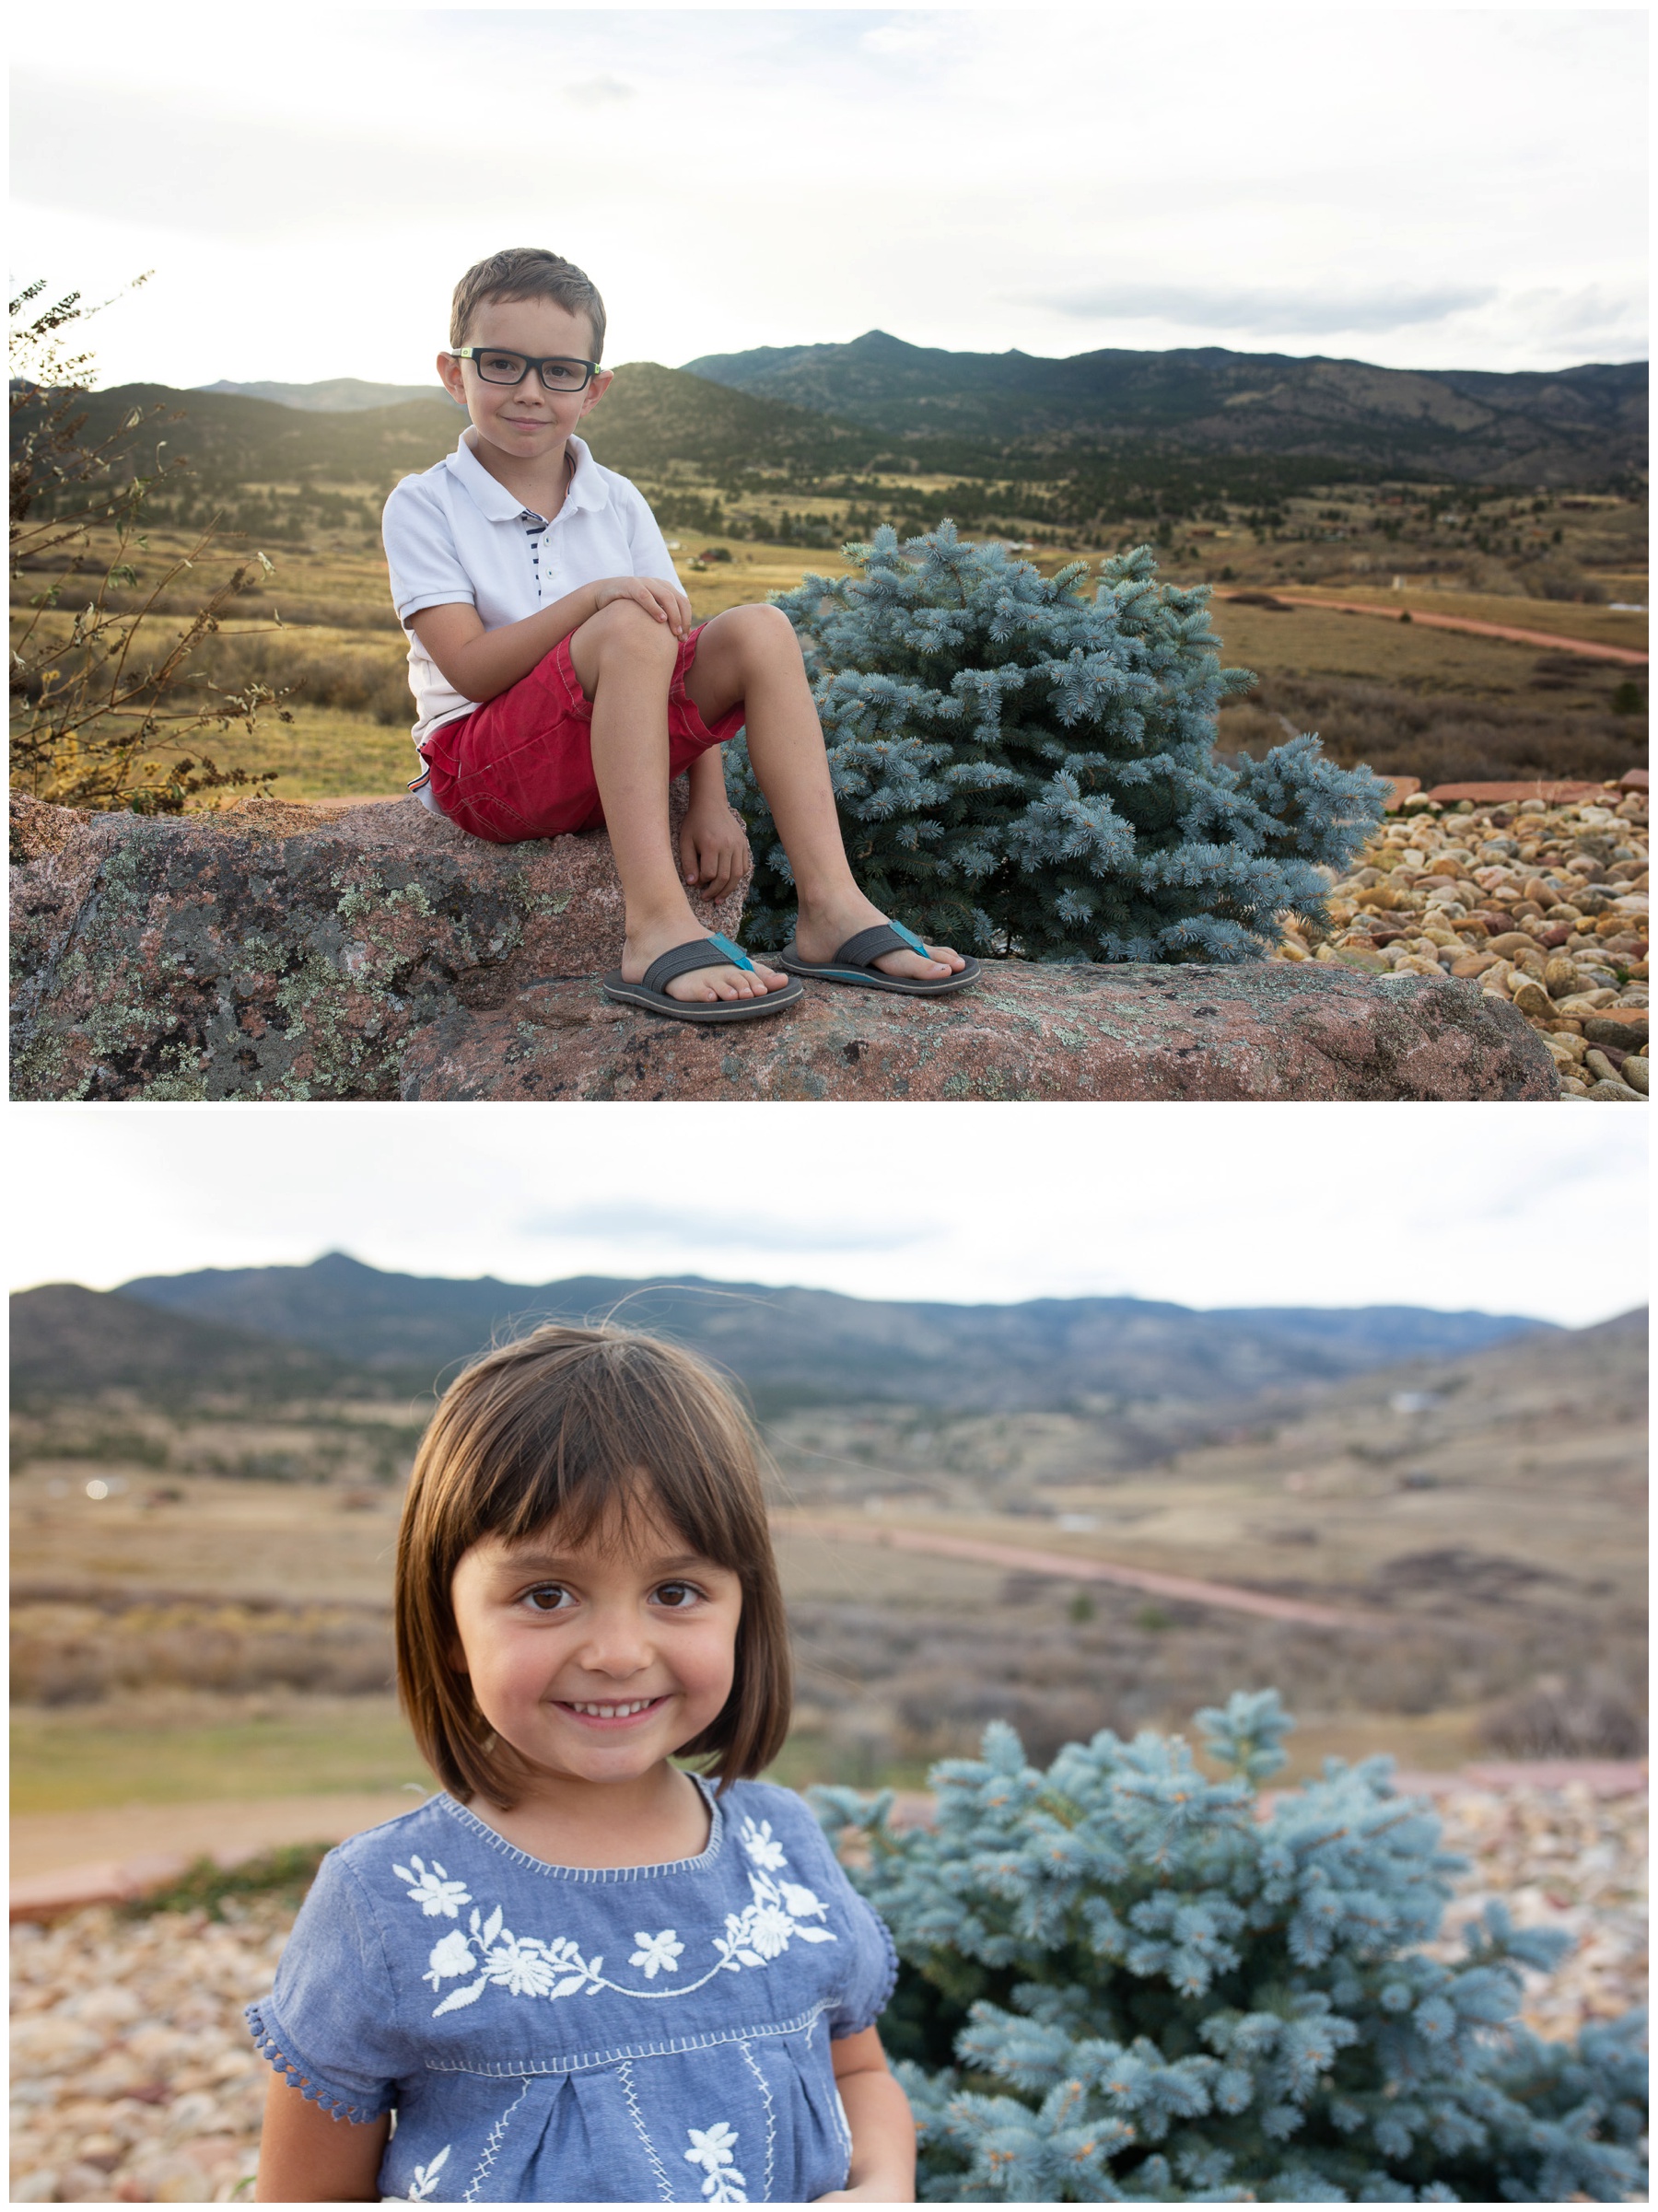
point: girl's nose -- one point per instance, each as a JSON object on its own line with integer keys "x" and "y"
{"x": 616, "y": 1644}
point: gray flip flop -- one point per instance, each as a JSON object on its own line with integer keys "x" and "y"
{"x": 705, "y": 952}
{"x": 852, "y": 963}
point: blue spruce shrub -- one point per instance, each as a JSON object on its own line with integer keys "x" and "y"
{"x": 1118, "y": 1985}
{"x": 1025, "y": 767}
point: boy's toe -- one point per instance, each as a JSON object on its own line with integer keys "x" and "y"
{"x": 912, "y": 965}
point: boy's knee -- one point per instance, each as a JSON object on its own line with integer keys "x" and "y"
{"x": 624, "y": 626}
{"x": 761, "y": 630}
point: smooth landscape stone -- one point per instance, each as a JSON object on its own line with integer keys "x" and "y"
{"x": 276, "y": 952}
{"x": 1618, "y": 1025}
{"x": 1261, "y": 1031}
{"x": 1556, "y": 924}
{"x": 1608, "y": 1090}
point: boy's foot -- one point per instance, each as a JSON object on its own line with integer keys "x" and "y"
{"x": 819, "y": 932}
{"x": 697, "y": 985}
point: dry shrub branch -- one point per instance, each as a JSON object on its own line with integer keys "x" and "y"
{"x": 95, "y": 712}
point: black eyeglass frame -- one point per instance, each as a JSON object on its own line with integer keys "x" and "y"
{"x": 470, "y": 353}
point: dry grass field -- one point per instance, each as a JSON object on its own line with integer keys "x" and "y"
{"x": 1404, "y": 697}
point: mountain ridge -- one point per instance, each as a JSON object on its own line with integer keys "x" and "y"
{"x": 1497, "y": 426}
{"x": 822, "y": 1346}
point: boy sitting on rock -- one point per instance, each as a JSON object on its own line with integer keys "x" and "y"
{"x": 559, "y": 683}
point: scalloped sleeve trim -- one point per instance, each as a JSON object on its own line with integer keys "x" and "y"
{"x": 342, "y": 2104}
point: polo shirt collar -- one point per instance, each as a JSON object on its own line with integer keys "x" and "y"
{"x": 497, "y": 503}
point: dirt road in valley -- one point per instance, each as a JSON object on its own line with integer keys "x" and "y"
{"x": 1079, "y": 1567}
{"x": 1547, "y": 639}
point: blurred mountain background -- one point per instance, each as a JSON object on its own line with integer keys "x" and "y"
{"x": 208, "y": 1468}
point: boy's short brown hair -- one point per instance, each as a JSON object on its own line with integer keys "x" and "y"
{"x": 584, "y": 1428}
{"x": 527, "y": 273}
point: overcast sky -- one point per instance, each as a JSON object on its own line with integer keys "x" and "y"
{"x": 1415, "y": 186}
{"x": 1501, "y": 1209}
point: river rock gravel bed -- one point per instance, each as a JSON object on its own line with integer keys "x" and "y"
{"x": 1543, "y": 906}
{"x": 134, "y": 2082}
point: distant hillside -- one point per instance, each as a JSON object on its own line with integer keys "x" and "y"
{"x": 72, "y": 1343}
{"x": 233, "y": 440}
{"x": 337, "y": 395}
{"x": 1575, "y": 425}
{"x": 653, "y": 417}
{"x": 652, "y": 420}
{"x": 796, "y": 1347}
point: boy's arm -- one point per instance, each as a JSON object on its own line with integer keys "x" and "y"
{"x": 483, "y": 663}
{"x": 307, "y": 2156}
{"x": 883, "y": 2133}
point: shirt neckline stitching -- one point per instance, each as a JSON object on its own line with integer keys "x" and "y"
{"x": 704, "y": 1858}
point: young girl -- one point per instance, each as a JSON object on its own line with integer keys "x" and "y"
{"x": 580, "y": 1973}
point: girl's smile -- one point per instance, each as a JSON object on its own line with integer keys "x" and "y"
{"x": 613, "y": 1715}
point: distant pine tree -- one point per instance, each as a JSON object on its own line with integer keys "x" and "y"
{"x": 1027, "y": 769}
{"x": 1118, "y": 1984}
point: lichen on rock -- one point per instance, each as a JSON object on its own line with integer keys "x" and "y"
{"x": 276, "y": 953}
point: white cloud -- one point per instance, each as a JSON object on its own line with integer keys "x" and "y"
{"x": 1449, "y": 1206}
{"x": 600, "y": 91}
{"x": 964, "y": 177}
{"x": 1311, "y": 312}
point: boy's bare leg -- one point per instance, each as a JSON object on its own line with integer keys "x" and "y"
{"x": 625, "y": 661}
{"x": 751, "y": 654}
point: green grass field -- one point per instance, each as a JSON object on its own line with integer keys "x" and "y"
{"x": 1407, "y": 698}
{"x": 62, "y": 1762}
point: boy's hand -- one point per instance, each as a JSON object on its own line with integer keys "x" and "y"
{"x": 714, "y": 846}
{"x": 663, "y": 601}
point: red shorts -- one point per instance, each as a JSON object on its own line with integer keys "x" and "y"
{"x": 521, "y": 766}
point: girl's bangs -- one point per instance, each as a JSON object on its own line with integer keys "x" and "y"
{"x": 606, "y": 1465}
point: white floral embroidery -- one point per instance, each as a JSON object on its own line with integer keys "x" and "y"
{"x": 523, "y": 1965}
{"x": 426, "y": 2177}
{"x": 657, "y": 1954}
{"x": 537, "y": 1966}
{"x": 759, "y": 1844}
{"x": 432, "y": 1890}
{"x": 711, "y": 2150}
{"x": 450, "y": 1955}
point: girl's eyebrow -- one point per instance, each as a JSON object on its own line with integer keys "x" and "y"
{"x": 518, "y": 1563}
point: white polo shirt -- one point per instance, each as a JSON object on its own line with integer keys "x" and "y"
{"x": 454, "y": 534}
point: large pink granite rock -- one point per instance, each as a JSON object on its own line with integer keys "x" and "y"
{"x": 1263, "y": 1030}
{"x": 278, "y": 951}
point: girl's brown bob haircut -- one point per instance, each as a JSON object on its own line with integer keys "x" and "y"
{"x": 586, "y": 1429}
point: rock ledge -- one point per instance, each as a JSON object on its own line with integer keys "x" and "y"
{"x": 1260, "y": 1032}
{"x": 285, "y": 952}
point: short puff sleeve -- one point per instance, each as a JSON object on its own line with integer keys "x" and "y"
{"x": 330, "y": 2023}
{"x": 872, "y": 1961}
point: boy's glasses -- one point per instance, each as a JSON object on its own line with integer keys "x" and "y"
{"x": 497, "y": 366}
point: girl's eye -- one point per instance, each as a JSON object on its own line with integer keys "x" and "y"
{"x": 546, "y": 1596}
{"x": 677, "y": 1596}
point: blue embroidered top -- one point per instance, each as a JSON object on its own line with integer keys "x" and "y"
{"x": 565, "y": 2035}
